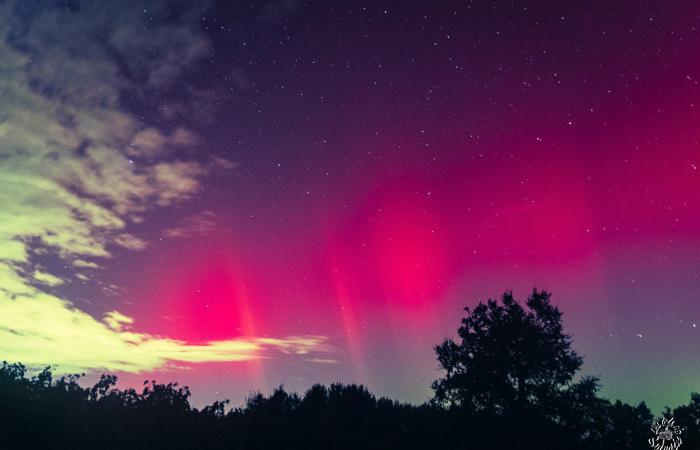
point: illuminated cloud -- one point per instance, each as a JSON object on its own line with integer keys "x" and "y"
{"x": 85, "y": 264}
{"x": 47, "y": 278}
{"x": 77, "y": 169}
{"x": 40, "y": 329}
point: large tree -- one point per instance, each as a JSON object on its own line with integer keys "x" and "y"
{"x": 508, "y": 358}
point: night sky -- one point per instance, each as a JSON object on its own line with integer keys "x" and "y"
{"x": 239, "y": 195}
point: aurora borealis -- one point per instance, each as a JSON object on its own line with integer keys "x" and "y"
{"x": 238, "y": 195}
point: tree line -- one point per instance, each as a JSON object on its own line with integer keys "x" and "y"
{"x": 511, "y": 381}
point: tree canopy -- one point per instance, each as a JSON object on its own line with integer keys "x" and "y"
{"x": 508, "y": 358}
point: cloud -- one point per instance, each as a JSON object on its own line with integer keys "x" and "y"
{"x": 40, "y": 329}
{"x": 77, "y": 170}
{"x": 47, "y": 278}
{"x": 148, "y": 142}
{"x": 130, "y": 242}
{"x": 196, "y": 225}
{"x": 85, "y": 264}
{"x": 184, "y": 137}
{"x": 116, "y": 320}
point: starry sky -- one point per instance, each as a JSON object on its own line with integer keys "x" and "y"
{"x": 239, "y": 195}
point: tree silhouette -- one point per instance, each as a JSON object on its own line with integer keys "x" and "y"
{"x": 509, "y": 385}
{"x": 508, "y": 359}
{"x": 688, "y": 417}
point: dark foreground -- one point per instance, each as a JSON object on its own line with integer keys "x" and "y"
{"x": 510, "y": 382}
{"x": 39, "y": 413}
